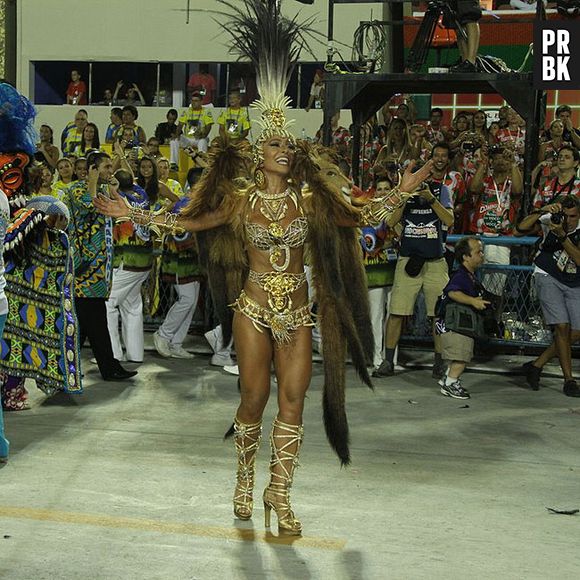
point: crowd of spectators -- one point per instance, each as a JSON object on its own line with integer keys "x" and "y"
{"x": 476, "y": 188}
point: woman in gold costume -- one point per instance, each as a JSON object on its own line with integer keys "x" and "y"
{"x": 254, "y": 238}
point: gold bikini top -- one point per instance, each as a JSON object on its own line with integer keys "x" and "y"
{"x": 265, "y": 237}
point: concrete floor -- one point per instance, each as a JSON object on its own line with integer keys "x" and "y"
{"x": 134, "y": 481}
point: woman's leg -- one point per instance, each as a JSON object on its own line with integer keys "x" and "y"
{"x": 293, "y": 369}
{"x": 254, "y": 350}
{"x": 255, "y": 360}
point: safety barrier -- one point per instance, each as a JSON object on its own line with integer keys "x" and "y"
{"x": 518, "y": 315}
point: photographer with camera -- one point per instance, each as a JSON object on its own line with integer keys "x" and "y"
{"x": 565, "y": 183}
{"x": 462, "y": 290}
{"x": 421, "y": 265}
{"x": 557, "y": 280}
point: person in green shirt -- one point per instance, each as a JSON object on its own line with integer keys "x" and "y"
{"x": 234, "y": 121}
{"x": 195, "y": 126}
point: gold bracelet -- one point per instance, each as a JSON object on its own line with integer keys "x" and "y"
{"x": 379, "y": 209}
{"x": 146, "y": 218}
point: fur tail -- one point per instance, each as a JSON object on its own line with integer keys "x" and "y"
{"x": 333, "y": 398}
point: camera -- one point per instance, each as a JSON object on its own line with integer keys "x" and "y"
{"x": 468, "y": 147}
{"x": 557, "y": 218}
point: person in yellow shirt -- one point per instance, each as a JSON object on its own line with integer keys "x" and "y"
{"x": 163, "y": 173}
{"x": 65, "y": 176}
{"x": 234, "y": 120}
{"x": 194, "y": 128}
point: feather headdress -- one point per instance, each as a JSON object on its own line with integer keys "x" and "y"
{"x": 273, "y": 44}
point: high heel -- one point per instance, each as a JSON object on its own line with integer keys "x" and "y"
{"x": 247, "y": 440}
{"x": 285, "y": 441}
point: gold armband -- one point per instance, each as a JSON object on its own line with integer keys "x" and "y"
{"x": 379, "y": 209}
{"x": 144, "y": 217}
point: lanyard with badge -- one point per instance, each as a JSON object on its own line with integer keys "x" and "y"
{"x": 194, "y": 124}
{"x": 493, "y": 219}
{"x": 232, "y": 122}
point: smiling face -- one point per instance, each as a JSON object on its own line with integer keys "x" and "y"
{"x": 81, "y": 168}
{"x": 89, "y": 133}
{"x": 440, "y": 158}
{"x": 146, "y": 168}
{"x": 278, "y": 156}
{"x": 65, "y": 169}
{"x": 75, "y": 76}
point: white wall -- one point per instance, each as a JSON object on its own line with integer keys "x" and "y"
{"x": 151, "y": 30}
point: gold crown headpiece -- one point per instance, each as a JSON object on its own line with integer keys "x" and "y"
{"x": 273, "y": 121}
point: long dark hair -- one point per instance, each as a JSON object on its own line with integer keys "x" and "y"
{"x": 151, "y": 187}
{"x": 96, "y": 141}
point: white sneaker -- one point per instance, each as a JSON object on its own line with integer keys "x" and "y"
{"x": 221, "y": 360}
{"x": 180, "y": 352}
{"x": 161, "y": 345}
{"x": 213, "y": 339}
{"x": 232, "y": 369}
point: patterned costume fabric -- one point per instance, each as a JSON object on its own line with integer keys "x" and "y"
{"x": 40, "y": 339}
{"x": 92, "y": 234}
{"x": 180, "y": 259}
{"x": 132, "y": 243}
{"x": 4, "y": 217}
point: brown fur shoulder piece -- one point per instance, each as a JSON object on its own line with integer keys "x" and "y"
{"x": 221, "y": 249}
{"x": 340, "y": 285}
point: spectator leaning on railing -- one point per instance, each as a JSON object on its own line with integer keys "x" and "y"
{"x": 557, "y": 279}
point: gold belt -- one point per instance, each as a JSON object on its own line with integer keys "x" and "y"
{"x": 279, "y": 286}
{"x": 282, "y": 324}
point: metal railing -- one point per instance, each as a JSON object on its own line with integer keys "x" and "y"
{"x": 518, "y": 316}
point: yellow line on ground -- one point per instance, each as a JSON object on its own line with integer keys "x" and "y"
{"x": 103, "y": 521}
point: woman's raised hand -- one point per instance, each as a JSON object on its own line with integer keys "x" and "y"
{"x": 411, "y": 181}
{"x": 113, "y": 206}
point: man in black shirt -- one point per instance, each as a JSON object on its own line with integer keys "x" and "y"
{"x": 421, "y": 266}
{"x": 557, "y": 279}
{"x": 167, "y": 131}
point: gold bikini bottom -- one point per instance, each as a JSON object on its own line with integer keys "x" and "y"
{"x": 282, "y": 324}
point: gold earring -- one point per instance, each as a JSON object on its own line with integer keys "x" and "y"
{"x": 259, "y": 179}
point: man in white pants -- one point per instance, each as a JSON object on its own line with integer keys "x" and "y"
{"x": 132, "y": 263}
{"x": 194, "y": 128}
{"x": 169, "y": 338}
{"x": 125, "y": 301}
{"x": 179, "y": 266}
